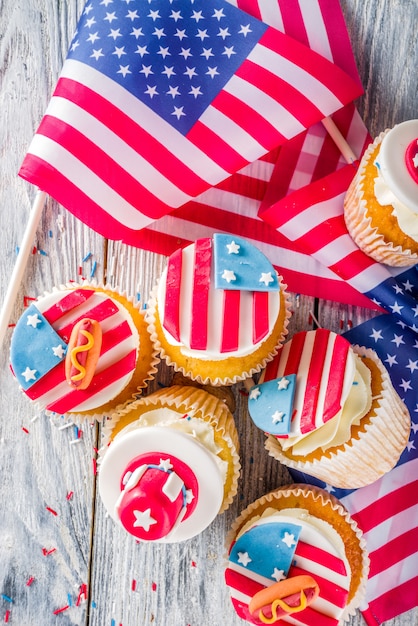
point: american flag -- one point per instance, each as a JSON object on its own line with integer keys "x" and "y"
{"x": 158, "y": 102}
{"x": 387, "y": 510}
{"x": 233, "y": 205}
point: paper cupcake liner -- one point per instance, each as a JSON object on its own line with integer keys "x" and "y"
{"x": 204, "y": 406}
{"x": 326, "y": 507}
{"x": 145, "y": 370}
{"x": 232, "y": 365}
{"x": 359, "y": 224}
{"x": 365, "y": 458}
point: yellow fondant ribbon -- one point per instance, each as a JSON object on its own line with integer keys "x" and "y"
{"x": 75, "y": 351}
{"x": 288, "y": 609}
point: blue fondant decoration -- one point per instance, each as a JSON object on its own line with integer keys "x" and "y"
{"x": 267, "y": 549}
{"x": 35, "y": 348}
{"x": 239, "y": 265}
{"x": 271, "y": 404}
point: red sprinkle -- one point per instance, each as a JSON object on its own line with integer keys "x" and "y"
{"x": 46, "y": 552}
{"x": 133, "y": 585}
{"x": 341, "y": 324}
{"x": 64, "y": 608}
{"x": 82, "y": 594}
{"x": 48, "y": 508}
{"x": 30, "y": 581}
{"x": 70, "y": 495}
{"x": 25, "y": 430}
{"x": 6, "y": 616}
{"x": 154, "y": 586}
{"x": 27, "y": 299}
{"x": 94, "y": 466}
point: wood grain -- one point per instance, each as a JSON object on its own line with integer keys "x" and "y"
{"x": 53, "y": 528}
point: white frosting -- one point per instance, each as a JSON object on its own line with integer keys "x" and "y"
{"x": 407, "y": 218}
{"x": 212, "y": 352}
{"x": 356, "y": 402}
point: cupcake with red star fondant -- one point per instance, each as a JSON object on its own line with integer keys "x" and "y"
{"x": 169, "y": 464}
{"x": 295, "y": 556}
{"x": 220, "y": 311}
{"x": 330, "y": 410}
{"x": 381, "y": 204}
{"x": 82, "y": 350}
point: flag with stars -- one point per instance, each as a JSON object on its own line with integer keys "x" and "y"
{"x": 387, "y": 510}
{"x": 158, "y": 102}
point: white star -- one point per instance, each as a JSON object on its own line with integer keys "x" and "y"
{"x": 277, "y": 417}
{"x": 244, "y": 30}
{"x": 176, "y": 15}
{"x": 96, "y": 54}
{"x": 151, "y": 91}
{"x": 178, "y": 112}
{"x": 254, "y": 393}
{"x": 124, "y": 70}
{"x": 58, "y": 351}
{"x": 408, "y": 286}
{"x": 141, "y": 50}
{"x": 93, "y": 37}
{"x": 212, "y": 71}
{"x": 278, "y": 574}
{"x": 414, "y": 426}
{"x": 143, "y": 519}
{"x": 119, "y": 51}
{"x": 202, "y": 34}
{"x": 195, "y": 91}
{"x": 243, "y": 558}
{"x": 190, "y": 72}
{"x": 189, "y": 496}
{"x": 397, "y": 288}
{"x": 405, "y": 384}
{"x": 233, "y": 248}
{"x": 218, "y": 13}
{"x": 391, "y": 360}
{"x": 106, "y": 2}
{"x": 165, "y": 464}
{"x": 159, "y": 32}
{"x": 266, "y": 278}
{"x": 185, "y": 53}
{"x": 415, "y": 160}
{"x": 132, "y": 15}
{"x": 110, "y": 17}
{"x": 207, "y": 53}
{"x": 137, "y": 32}
{"x": 115, "y": 34}
{"x": 376, "y": 334}
{"x": 410, "y": 446}
{"x": 197, "y": 15}
{"x": 224, "y": 33}
{"x": 173, "y": 92}
{"x": 154, "y": 15}
{"x": 412, "y": 365}
{"x": 33, "y": 320}
{"x": 415, "y": 310}
{"x": 283, "y": 383}
{"x": 146, "y": 69}
{"x": 168, "y": 71}
{"x": 181, "y": 34}
{"x": 228, "y": 275}
{"x": 289, "y": 539}
{"x": 396, "y": 308}
{"x": 75, "y": 45}
{"x": 398, "y": 339}
{"x": 90, "y": 22}
{"x": 29, "y": 374}
{"x": 229, "y": 51}
{"x": 164, "y": 52}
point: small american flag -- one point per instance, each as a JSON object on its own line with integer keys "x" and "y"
{"x": 387, "y": 510}
{"x": 158, "y": 102}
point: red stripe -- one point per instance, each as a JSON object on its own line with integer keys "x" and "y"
{"x": 260, "y": 315}
{"x": 74, "y": 298}
{"x": 352, "y": 264}
{"x": 216, "y": 148}
{"x": 401, "y": 498}
{"x": 313, "y": 381}
{"x": 200, "y": 299}
{"x": 251, "y": 7}
{"x": 231, "y": 316}
{"x": 172, "y": 295}
{"x": 99, "y": 382}
{"x": 283, "y": 172}
{"x": 323, "y": 234}
{"x": 294, "y": 355}
{"x": 338, "y": 82}
{"x": 241, "y": 582}
{"x": 396, "y": 601}
{"x": 336, "y": 378}
{"x": 300, "y": 106}
{"x": 318, "y": 555}
{"x": 393, "y": 552}
{"x": 293, "y": 22}
{"x": 242, "y": 185}
{"x": 100, "y": 312}
{"x": 246, "y": 117}
{"x": 135, "y": 136}
{"x": 328, "y": 590}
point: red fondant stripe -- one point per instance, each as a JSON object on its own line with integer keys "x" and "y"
{"x": 318, "y": 555}
{"x": 242, "y": 582}
{"x": 231, "y": 315}
{"x": 313, "y": 383}
{"x": 67, "y": 303}
{"x": 172, "y": 296}
{"x": 294, "y": 356}
{"x": 100, "y": 312}
{"x": 333, "y": 593}
{"x": 260, "y": 315}
{"x": 336, "y": 380}
{"x": 200, "y": 300}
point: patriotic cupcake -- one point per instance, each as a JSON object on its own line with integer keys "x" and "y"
{"x": 330, "y": 410}
{"x": 220, "y": 311}
{"x": 82, "y": 350}
{"x": 296, "y": 557}
{"x": 169, "y": 464}
{"x": 381, "y": 205}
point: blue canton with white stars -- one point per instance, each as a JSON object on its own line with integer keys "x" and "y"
{"x": 173, "y": 55}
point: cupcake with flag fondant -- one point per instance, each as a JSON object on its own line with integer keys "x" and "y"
{"x": 169, "y": 463}
{"x": 220, "y": 310}
{"x": 330, "y": 410}
{"x": 381, "y": 204}
{"x": 295, "y": 556}
{"x": 82, "y": 350}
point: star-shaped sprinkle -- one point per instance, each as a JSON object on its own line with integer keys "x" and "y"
{"x": 33, "y": 320}
{"x": 278, "y": 574}
{"x": 58, "y": 351}
{"x": 283, "y": 383}
{"x": 144, "y": 520}
{"x": 289, "y": 539}
{"x": 233, "y": 248}
{"x": 255, "y": 393}
{"x": 229, "y": 276}
{"x": 165, "y": 464}
{"x": 244, "y": 558}
{"x": 189, "y": 496}
{"x": 29, "y": 374}
{"x": 266, "y": 278}
{"x": 277, "y": 417}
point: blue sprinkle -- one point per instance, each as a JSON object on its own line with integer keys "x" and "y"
{"x": 3, "y": 595}
{"x": 42, "y": 252}
{"x": 50, "y": 233}
{"x": 93, "y": 604}
{"x": 138, "y": 296}
{"x": 88, "y": 255}
{"x": 93, "y": 269}
{"x": 69, "y": 599}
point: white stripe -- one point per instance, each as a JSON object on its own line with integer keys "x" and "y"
{"x": 90, "y": 184}
{"x": 336, "y": 251}
{"x": 270, "y": 13}
{"x": 386, "y": 581}
{"x": 315, "y": 28}
{"x": 369, "y": 278}
{"x": 296, "y": 76}
{"x": 266, "y": 106}
{"x": 391, "y": 528}
{"x": 108, "y": 141}
{"x": 312, "y": 216}
{"x": 170, "y": 138}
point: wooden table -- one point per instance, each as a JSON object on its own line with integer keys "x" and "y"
{"x": 55, "y": 538}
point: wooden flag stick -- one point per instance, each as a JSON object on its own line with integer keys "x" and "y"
{"x": 339, "y": 140}
{"x": 21, "y": 261}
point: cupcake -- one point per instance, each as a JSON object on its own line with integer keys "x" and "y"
{"x": 82, "y": 350}
{"x": 220, "y": 311}
{"x": 330, "y": 410}
{"x": 169, "y": 464}
{"x": 296, "y": 557}
{"x": 381, "y": 204}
